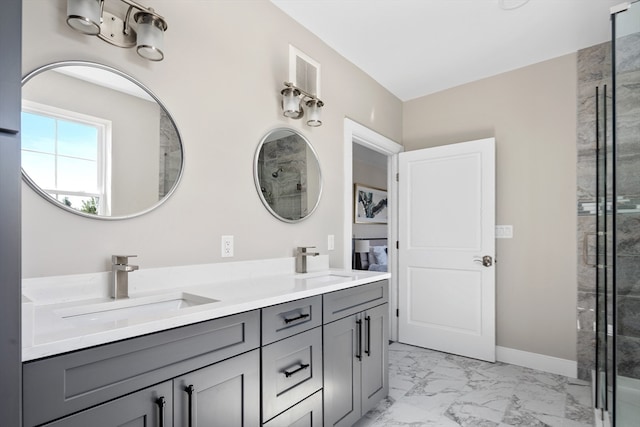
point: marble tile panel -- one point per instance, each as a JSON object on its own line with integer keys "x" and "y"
{"x": 594, "y": 63}
{"x": 628, "y": 276}
{"x": 628, "y": 361}
{"x": 628, "y": 319}
{"x": 586, "y": 310}
{"x": 628, "y": 177}
{"x": 586, "y": 178}
{"x": 627, "y": 53}
{"x": 586, "y": 273}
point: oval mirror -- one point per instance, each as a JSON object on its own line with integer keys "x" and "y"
{"x": 96, "y": 142}
{"x": 287, "y": 175}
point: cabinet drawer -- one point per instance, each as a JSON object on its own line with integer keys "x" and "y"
{"x": 68, "y": 383}
{"x": 307, "y": 413}
{"x": 142, "y": 408}
{"x": 291, "y": 371}
{"x": 349, "y": 301}
{"x": 284, "y": 320}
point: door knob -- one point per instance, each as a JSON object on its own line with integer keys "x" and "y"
{"x": 486, "y": 261}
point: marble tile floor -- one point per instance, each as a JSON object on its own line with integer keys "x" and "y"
{"x": 429, "y": 388}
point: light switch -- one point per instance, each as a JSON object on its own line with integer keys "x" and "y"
{"x": 504, "y": 231}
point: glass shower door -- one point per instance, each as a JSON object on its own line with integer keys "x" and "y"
{"x": 626, "y": 137}
{"x": 604, "y": 249}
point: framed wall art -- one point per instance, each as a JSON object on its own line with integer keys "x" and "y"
{"x": 370, "y": 205}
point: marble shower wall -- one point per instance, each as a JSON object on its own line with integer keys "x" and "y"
{"x": 594, "y": 70}
{"x": 170, "y": 155}
{"x": 283, "y": 173}
{"x": 628, "y": 220}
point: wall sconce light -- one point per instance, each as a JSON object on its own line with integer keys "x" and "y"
{"x": 89, "y": 17}
{"x": 292, "y": 100}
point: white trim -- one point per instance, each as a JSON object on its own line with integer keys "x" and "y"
{"x": 620, "y": 7}
{"x": 541, "y": 362}
{"x": 356, "y": 133}
{"x": 103, "y": 161}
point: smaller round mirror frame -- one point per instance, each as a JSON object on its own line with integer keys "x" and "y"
{"x": 287, "y": 175}
{"x": 96, "y": 142}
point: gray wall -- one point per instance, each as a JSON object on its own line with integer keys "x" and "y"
{"x": 532, "y": 114}
{"x": 221, "y": 82}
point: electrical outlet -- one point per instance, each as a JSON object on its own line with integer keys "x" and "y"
{"x": 331, "y": 242}
{"x": 227, "y": 246}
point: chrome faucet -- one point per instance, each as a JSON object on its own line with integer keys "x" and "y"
{"x": 301, "y": 258}
{"x": 120, "y": 269}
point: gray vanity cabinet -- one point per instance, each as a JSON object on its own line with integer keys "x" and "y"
{"x": 59, "y": 386}
{"x": 355, "y": 352}
{"x": 151, "y": 407}
{"x": 292, "y": 363}
{"x": 226, "y": 394}
{"x": 10, "y": 182}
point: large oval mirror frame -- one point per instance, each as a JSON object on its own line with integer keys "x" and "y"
{"x": 96, "y": 142}
{"x": 287, "y": 175}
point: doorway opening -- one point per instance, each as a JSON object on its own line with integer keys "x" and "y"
{"x": 372, "y": 158}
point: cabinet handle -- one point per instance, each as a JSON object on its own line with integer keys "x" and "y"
{"x": 302, "y": 367}
{"x": 161, "y": 402}
{"x": 190, "y": 391}
{"x": 293, "y": 319}
{"x": 367, "y": 325}
{"x": 359, "y": 339}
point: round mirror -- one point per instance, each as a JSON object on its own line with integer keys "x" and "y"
{"x": 97, "y": 142}
{"x": 287, "y": 175}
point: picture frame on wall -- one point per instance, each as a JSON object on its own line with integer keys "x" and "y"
{"x": 370, "y": 205}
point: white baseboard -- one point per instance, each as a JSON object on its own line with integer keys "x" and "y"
{"x": 541, "y": 362}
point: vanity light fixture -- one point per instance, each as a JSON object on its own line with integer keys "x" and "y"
{"x": 292, "y": 99}
{"x": 89, "y": 17}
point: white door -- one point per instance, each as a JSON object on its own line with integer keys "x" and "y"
{"x": 446, "y": 238}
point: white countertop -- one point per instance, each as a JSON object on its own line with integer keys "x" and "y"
{"x": 50, "y": 325}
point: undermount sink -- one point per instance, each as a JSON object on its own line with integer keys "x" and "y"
{"x": 121, "y": 311}
{"x": 327, "y": 278}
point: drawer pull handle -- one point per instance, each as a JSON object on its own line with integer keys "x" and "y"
{"x": 161, "y": 402}
{"x": 359, "y": 339}
{"x": 293, "y": 319}
{"x": 302, "y": 367}
{"x": 367, "y": 325}
{"x": 190, "y": 391}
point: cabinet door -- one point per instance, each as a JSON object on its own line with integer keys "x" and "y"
{"x": 151, "y": 407}
{"x": 342, "y": 354}
{"x": 226, "y": 394}
{"x": 375, "y": 366}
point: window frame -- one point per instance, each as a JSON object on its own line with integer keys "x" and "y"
{"x": 103, "y": 160}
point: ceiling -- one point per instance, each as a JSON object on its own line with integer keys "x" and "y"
{"x": 417, "y": 47}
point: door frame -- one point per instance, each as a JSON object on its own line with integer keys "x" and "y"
{"x": 355, "y": 133}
